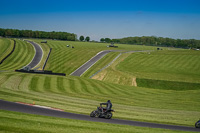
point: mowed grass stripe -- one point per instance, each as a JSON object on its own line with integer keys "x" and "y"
{"x": 91, "y": 88}
{"x": 3, "y": 78}
{"x": 53, "y": 85}
{"x": 60, "y": 85}
{"x": 34, "y": 83}
{"x": 84, "y": 86}
{"x": 96, "y": 87}
{"x": 72, "y": 86}
{"x": 78, "y": 87}
{"x": 59, "y": 44}
{"x": 99, "y": 87}
{"x": 107, "y": 89}
{"x": 12, "y": 82}
{"x": 25, "y": 82}
{"x": 41, "y": 84}
{"x": 57, "y": 61}
{"x": 67, "y": 85}
{"x": 47, "y": 84}
{"x": 119, "y": 89}
{"x": 4, "y": 46}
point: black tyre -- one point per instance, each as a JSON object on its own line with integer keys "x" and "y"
{"x": 108, "y": 115}
{"x": 93, "y": 114}
{"x": 197, "y": 124}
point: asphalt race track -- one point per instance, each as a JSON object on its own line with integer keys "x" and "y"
{"x": 38, "y": 55}
{"x": 88, "y": 64}
{"x": 11, "y": 106}
{"x": 92, "y": 61}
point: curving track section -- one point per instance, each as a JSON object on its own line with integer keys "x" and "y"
{"x": 11, "y": 106}
{"x": 38, "y": 55}
{"x": 97, "y": 57}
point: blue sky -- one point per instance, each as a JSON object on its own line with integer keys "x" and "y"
{"x": 105, "y": 18}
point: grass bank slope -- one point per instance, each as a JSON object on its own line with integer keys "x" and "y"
{"x": 22, "y": 56}
{"x": 182, "y": 65}
{"x": 111, "y": 74}
{"x": 6, "y": 46}
{"x": 81, "y": 95}
{"x": 177, "y": 70}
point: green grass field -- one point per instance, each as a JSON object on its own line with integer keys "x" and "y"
{"x": 81, "y": 95}
{"x": 159, "y": 69}
{"x": 65, "y": 59}
{"x": 27, "y": 123}
{"x": 129, "y": 89}
{"x": 182, "y": 65}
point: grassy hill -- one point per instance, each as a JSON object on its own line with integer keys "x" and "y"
{"x": 181, "y": 65}
{"x": 82, "y": 95}
{"x": 167, "y": 69}
{"x": 21, "y": 56}
{"x": 65, "y": 59}
{"x": 6, "y": 46}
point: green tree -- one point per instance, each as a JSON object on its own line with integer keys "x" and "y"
{"x": 81, "y": 38}
{"x": 102, "y": 40}
{"x": 108, "y": 40}
{"x": 87, "y": 39}
{"x": 2, "y": 32}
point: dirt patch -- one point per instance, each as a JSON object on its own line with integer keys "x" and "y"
{"x": 100, "y": 76}
{"x": 134, "y": 83}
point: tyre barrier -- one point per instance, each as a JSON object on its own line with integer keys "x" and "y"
{"x": 47, "y": 59}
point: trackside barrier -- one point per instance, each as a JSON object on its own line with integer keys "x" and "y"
{"x": 9, "y": 53}
{"x": 41, "y": 72}
{"x": 46, "y": 59}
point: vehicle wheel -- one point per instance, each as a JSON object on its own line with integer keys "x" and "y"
{"x": 93, "y": 114}
{"x": 197, "y": 124}
{"x": 108, "y": 115}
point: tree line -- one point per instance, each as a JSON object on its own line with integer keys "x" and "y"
{"x": 37, "y": 34}
{"x": 156, "y": 41}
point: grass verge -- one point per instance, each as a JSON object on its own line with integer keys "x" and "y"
{"x": 28, "y": 123}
